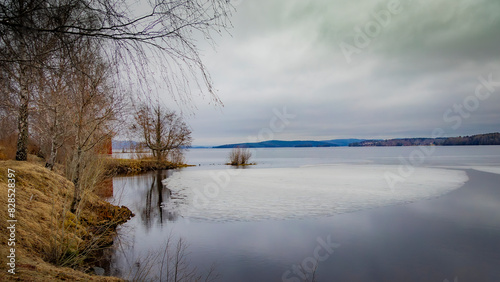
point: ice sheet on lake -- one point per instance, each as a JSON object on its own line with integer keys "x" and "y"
{"x": 489, "y": 169}
{"x": 285, "y": 193}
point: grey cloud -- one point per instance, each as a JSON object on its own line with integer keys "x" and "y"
{"x": 286, "y": 53}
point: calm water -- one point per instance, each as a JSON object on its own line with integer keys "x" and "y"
{"x": 429, "y": 238}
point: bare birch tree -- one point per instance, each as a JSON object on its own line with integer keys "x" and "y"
{"x": 54, "y": 108}
{"x": 96, "y": 106}
{"x": 162, "y": 130}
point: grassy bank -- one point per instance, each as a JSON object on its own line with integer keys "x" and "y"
{"x": 51, "y": 243}
{"x": 132, "y": 166}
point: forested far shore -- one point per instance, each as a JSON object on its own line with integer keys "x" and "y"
{"x": 480, "y": 139}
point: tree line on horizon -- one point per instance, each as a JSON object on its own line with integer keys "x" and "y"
{"x": 479, "y": 139}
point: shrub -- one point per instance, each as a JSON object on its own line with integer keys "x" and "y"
{"x": 239, "y": 156}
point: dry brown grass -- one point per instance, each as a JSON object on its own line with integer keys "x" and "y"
{"x": 132, "y": 166}
{"x": 44, "y": 226}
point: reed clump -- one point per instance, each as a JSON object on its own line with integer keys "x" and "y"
{"x": 240, "y": 157}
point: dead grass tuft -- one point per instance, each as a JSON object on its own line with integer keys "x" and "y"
{"x": 133, "y": 166}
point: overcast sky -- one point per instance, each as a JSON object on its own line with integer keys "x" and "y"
{"x": 353, "y": 69}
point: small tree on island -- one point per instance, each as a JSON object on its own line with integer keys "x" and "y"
{"x": 239, "y": 156}
{"x": 162, "y": 130}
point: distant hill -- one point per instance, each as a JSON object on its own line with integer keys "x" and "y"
{"x": 480, "y": 139}
{"x": 399, "y": 142}
{"x": 344, "y": 142}
{"x": 293, "y": 144}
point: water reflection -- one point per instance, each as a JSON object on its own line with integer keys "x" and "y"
{"x": 157, "y": 209}
{"x": 154, "y": 205}
{"x": 153, "y": 198}
{"x": 148, "y": 198}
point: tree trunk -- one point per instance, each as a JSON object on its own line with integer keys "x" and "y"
{"x": 54, "y": 146}
{"x": 158, "y": 156}
{"x": 158, "y": 134}
{"x": 77, "y": 197}
{"x": 52, "y": 158}
{"x": 22, "y": 125}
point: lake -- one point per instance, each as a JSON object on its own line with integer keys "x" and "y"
{"x": 344, "y": 214}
